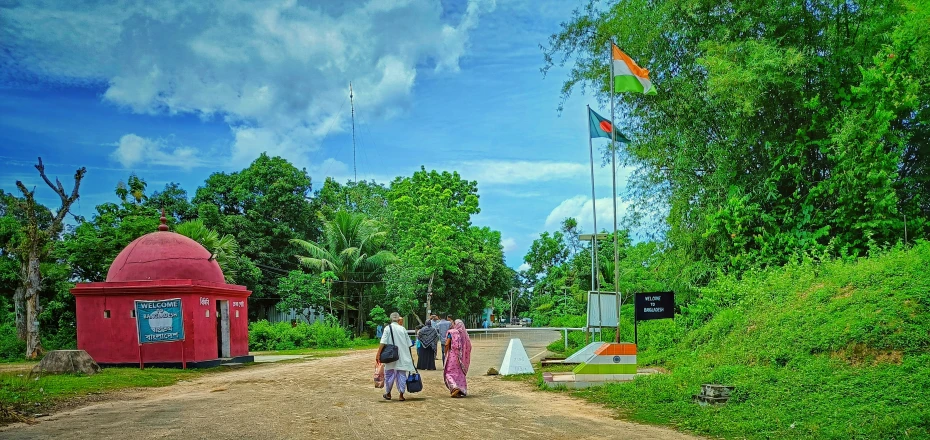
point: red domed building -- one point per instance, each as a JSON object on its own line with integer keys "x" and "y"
{"x": 158, "y": 266}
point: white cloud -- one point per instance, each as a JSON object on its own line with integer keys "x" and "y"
{"x": 507, "y": 172}
{"x": 503, "y": 172}
{"x": 523, "y": 267}
{"x": 580, "y": 208}
{"x": 133, "y": 150}
{"x": 276, "y": 72}
{"x": 509, "y": 244}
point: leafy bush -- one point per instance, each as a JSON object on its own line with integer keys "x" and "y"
{"x": 63, "y": 338}
{"x": 365, "y": 342}
{"x": 377, "y": 317}
{"x": 574, "y": 321}
{"x": 284, "y": 336}
{"x": 11, "y": 348}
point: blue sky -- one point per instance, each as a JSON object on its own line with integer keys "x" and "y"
{"x": 177, "y": 91}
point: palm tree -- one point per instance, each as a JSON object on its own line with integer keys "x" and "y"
{"x": 353, "y": 248}
{"x": 225, "y": 249}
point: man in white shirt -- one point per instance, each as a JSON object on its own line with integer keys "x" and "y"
{"x": 396, "y": 372}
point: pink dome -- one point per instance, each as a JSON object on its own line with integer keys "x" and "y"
{"x": 164, "y": 256}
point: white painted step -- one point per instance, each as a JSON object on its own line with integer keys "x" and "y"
{"x": 585, "y": 354}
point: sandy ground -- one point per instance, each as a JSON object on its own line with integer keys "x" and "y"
{"x": 334, "y": 398}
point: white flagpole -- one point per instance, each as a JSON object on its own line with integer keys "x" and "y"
{"x": 613, "y": 144}
{"x": 595, "y": 285}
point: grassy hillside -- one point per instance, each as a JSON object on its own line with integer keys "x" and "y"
{"x": 833, "y": 350}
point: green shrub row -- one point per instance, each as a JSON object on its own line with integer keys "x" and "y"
{"x": 285, "y": 336}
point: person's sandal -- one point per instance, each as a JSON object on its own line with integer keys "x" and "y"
{"x": 456, "y": 393}
{"x": 386, "y": 396}
{"x": 401, "y": 398}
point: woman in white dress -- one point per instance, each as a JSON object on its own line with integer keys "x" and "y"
{"x": 396, "y": 372}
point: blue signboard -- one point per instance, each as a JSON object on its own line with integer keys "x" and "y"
{"x": 159, "y": 321}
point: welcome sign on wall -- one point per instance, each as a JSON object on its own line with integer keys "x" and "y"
{"x": 159, "y": 321}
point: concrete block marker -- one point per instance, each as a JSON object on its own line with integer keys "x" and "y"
{"x": 67, "y": 361}
{"x": 609, "y": 363}
{"x": 584, "y": 354}
{"x": 516, "y": 360}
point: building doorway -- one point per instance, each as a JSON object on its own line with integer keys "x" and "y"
{"x": 222, "y": 328}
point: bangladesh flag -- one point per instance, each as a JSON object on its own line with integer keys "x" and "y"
{"x": 601, "y": 127}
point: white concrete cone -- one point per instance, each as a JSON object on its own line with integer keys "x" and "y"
{"x": 515, "y": 360}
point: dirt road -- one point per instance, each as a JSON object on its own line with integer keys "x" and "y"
{"x": 334, "y": 398}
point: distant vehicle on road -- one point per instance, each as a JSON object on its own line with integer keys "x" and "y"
{"x": 526, "y": 322}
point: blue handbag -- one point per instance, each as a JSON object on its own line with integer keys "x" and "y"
{"x": 414, "y": 381}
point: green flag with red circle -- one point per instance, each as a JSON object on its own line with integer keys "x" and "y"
{"x": 601, "y": 127}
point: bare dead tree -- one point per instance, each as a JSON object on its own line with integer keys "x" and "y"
{"x": 34, "y": 248}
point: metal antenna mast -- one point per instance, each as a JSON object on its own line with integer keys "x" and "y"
{"x": 352, "y": 104}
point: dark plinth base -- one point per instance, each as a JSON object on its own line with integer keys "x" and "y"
{"x": 190, "y": 364}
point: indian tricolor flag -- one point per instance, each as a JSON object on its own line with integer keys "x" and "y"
{"x": 628, "y": 77}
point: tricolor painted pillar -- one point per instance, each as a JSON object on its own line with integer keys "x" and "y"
{"x": 611, "y": 362}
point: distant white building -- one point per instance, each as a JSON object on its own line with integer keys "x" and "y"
{"x": 308, "y": 315}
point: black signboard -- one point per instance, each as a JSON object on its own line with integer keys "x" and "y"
{"x": 655, "y": 305}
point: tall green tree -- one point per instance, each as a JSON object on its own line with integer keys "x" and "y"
{"x": 173, "y": 198}
{"x": 57, "y": 316}
{"x": 780, "y": 128}
{"x": 306, "y": 292}
{"x": 353, "y": 248}
{"x": 90, "y": 247}
{"x": 35, "y": 245}
{"x": 431, "y": 214}
{"x": 482, "y": 274}
{"x": 224, "y": 249}
{"x": 264, "y": 207}
{"x": 546, "y": 252}
{"x": 369, "y": 198}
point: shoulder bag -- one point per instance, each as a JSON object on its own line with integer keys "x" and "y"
{"x": 389, "y": 353}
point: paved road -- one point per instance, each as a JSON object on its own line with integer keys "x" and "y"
{"x": 334, "y": 398}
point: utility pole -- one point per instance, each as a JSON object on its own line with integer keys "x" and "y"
{"x": 429, "y": 297}
{"x": 352, "y": 103}
{"x": 511, "y": 305}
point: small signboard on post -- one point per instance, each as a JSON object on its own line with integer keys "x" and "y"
{"x": 160, "y": 321}
{"x": 602, "y": 310}
{"x": 653, "y": 305}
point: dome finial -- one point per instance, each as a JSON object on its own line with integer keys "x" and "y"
{"x": 164, "y": 221}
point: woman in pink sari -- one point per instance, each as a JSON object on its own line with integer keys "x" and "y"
{"x": 458, "y": 357}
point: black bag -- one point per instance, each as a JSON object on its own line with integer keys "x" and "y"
{"x": 389, "y": 353}
{"x": 414, "y": 381}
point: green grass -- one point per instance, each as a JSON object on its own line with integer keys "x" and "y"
{"x": 835, "y": 350}
{"x": 528, "y": 377}
{"x": 17, "y": 366}
{"x": 21, "y": 392}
